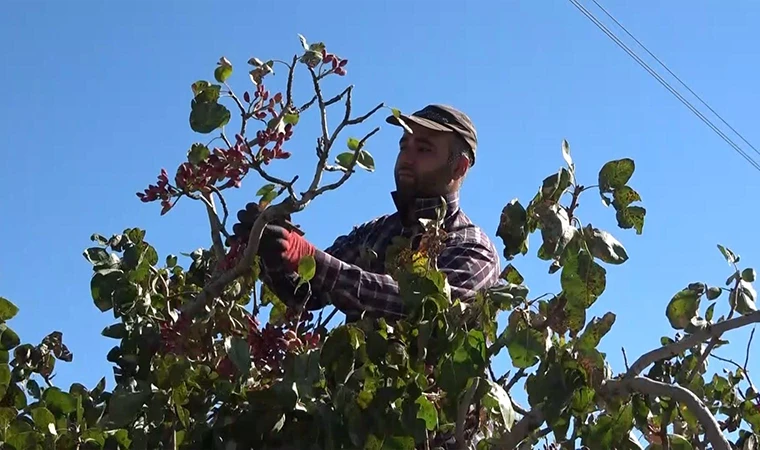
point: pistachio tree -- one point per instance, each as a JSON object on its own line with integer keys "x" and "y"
{"x": 196, "y": 366}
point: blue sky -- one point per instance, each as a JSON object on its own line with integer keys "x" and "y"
{"x": 97, "y": 101}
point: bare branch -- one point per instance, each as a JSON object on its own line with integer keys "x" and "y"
{"x": 462, "y": 410}
{"x": 518, "y": 375}
{"x": 518, "y": 408}
{"x": 671, "y": 350}
{"x": 243, "y": 113}
{"x": 347, "y": 174}
{"x": 627, "y": 386}
{"x": 291, "y": 74}
{"x": 749, "y": 345}
{"x": 223, "y": 225}
{"x": 245, "y": 263}
{"x": 625, "y": 359}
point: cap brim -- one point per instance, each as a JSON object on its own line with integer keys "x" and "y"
{"x": 429, "y": 124}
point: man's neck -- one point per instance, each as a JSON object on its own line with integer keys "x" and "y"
{"x": 411, "y": 208}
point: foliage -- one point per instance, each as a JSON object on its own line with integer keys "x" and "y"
{"x": 195, "y": 368}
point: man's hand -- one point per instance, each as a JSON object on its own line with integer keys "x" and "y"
{"x": 281, "y": 245}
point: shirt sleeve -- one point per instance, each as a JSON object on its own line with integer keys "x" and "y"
{"x": 283, "y": 283}
{"x": 469, "y": 263}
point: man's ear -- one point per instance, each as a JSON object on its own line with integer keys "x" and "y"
{"x": 462, "y": 166}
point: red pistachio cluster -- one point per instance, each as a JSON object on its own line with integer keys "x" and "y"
{"x": 231, "y": 165}
{"x": 160, "y": 191}
{"x": 338, "y": 64}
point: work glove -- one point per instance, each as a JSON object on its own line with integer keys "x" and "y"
{"x": 282, "y": 244}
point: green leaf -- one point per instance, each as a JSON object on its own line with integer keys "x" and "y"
{"x": 205, "y": 91}
{"x": 568, "y": 159}
{"x": 207, "y": 117}
{"x": 223, "y": 70}
{"x": 353, "y": 144}
{"x": 96, "y": 255}
{"x": 512, "y": 229}
{"x": 59, "y": 401}
{"x": 595, "y": 331}
{"x": 124, "y": 405}
{"x": 555, "y": 185}
{"x": 8, "y": 338}
{"x": 307, "y": 268}
{"x": 345, "y": 159}
{"x": 748, "y": 275}
{"x": 239, "y": 352}
{"x": 710, "y": 312}
{"x": 731, "y": 257}
{"x": 583, "y": 280}
{"x": 604, "y": 246}
{"x": 5, "y": 379}
{"x": 198, "y": 153}
{"x": 525, "y": 345}
{"x": 171, "y": 261}
{"x": 263, "y": 190}
{"x": 624, "y": 196}
{"x": 682, "y": 308}
{"x": 677, "y": 442}
{"x": 427, "y": 412}
{"x": 743, "y": 298}
{"x": 7, "y": 309}
{"x": 115, "y": 331}
{"x": 44, "y": 419}
{"x": 556, "y": 229}
{"x": 499, "y": 406}
{"x": 366, "y": 161}
{"x": 512, "y": 275}
{"x": 615, "y": 174}
{"x": 291, "y": 119}
{"x": 631, "y": 217}
{"x": 713, "y": 293}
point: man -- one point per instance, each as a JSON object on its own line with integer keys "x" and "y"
{"x": 432, "y": 163}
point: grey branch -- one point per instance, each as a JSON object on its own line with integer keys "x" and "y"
{"x": 627, "y": 386}
{"x": 522, "y": 429}
{"x": 671, "y": 350}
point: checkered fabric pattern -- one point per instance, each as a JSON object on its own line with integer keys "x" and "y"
{"x": 355, "y": 284}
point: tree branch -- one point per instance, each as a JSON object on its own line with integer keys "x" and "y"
{"x": 749, "y": 345}
{"x": 462, "y": 410}
{"x": 627, "y": 386}
{"x": 671, "y": 350}
{"x": 522, "y": 429}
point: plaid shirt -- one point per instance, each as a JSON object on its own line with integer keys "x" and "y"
{"x": 354, "y": 284}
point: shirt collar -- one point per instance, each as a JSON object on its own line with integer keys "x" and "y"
{"x": 424, "y": 207}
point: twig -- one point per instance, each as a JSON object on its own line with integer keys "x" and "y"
{"x": 730, "y": 361}
{"x": 574, "y": 203}
{"x": 625, "y": 359}
{"x": 674, "y": 349}
{"x": 749, "y": 345}
{"x": 462, "y": 410}
{"x": 223, "y": 225}
{"x": 347, "y": 173}
{"x": 627, "y": 386}
{"x": 517, "y": 376}
{"x": 243, "y": 112}
{"x": 518, "y": 408}
{"x": 245, "y": 263}
{"x": 291, "y": 74}
{"x": 216, "y": 225}
{"x": 226, "y": 141}
{"x": 322, "y": 324}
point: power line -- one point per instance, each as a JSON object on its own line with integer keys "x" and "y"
{"x": 664, "y": 83}
{"x": 673, "y": 74}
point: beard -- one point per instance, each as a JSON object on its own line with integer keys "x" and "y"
{"x": 411, "y": 184}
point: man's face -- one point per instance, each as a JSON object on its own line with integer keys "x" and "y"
{"x": 423, "y": 168}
